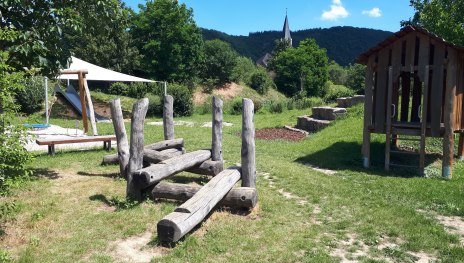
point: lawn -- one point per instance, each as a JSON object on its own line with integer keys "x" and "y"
{"x": 74, "y": 209}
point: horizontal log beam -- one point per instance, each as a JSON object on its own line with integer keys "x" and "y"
{"x": 145, "y": 177}
{"x": 239, "y": 197}
{"x": 208, "y": 168}
{"x": 166, "y": 144}
{"x": 73, "y": 71}
{"x": 149, "y": 156}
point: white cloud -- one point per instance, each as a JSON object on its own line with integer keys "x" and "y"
{"x": 374, "y": 12}
{"x": 337, "y": 10}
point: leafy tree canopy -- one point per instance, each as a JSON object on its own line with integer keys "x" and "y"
{"x": 220, "y": 61}
{"x": 442, "y": 17}
{"x": 169, "y": 39}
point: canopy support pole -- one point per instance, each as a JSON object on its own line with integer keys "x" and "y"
{"x": 46, "y": 100}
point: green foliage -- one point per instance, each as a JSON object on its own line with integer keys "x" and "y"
{"x": 31, "y": 98}
{"x": 305, "y": 103}
{"x": 206, "y": 107}
{"x": 122, "y": 203}
{"x": 235, "y": 106}
{"x": 119, "y": 88}
{"x": 155, "y": 105}
{"x": 5, "y": 256}
{"x": 303, "y": 67}
{"x": 172, "y": 45}
{"x": 138, "y": 90}
{"x": 261, "y": 81}
{"x": 336, "y": 91}
{"x": 442, "y": 17}
{"x": 273, "y": 106}
{"x": 337, "y": 74}
{"x": 356, "y": 78}
{"x": 220, "y": 61}
{"x": 243, "y": 70}
{"x": 183, "y": 102}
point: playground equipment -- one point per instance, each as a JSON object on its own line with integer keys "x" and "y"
{"x": 199, "y": 200}
{"x": 414, "y": 87}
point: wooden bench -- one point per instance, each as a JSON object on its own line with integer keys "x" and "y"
{"x": 51, "y": 142}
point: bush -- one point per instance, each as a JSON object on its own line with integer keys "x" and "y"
{"x": 235, "y": 106}
{"x": 119, "y": 88}
{"x": 243, "y": 70}
{"x": 183, "y": 102}
{"x": 31, "y": 98}
{"x": 336, "y": 91}
{"x": 137, "y": 90}
{"x": 155, "y": 105}
{"x": 260, "y": 81}
{"x": 304, "y": 103}
{"x": 206, "y": 107}
{"x": 275, "y": 106}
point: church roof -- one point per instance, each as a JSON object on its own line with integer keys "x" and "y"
{"x": 286, "y": 30}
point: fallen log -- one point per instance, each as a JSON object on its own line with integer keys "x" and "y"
{"x": 175, "y": 225}
{"x": 166, "y": 144}
{"x": 240, "y": 197}
{"x": 208, "y": 168}
{"x": 149, "y": 155}
{"x": 145, "y": 177}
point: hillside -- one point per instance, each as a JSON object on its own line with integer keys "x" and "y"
{"x": 343, "y": 44}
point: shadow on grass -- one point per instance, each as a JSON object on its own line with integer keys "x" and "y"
{"x": 347, "y": 156}
{"x": 120, "y": 203}
{"x": 108, "y": 175}
{"x": 46, "y": 173}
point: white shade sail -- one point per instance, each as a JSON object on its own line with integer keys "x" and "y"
{"x": 99, "y": 73}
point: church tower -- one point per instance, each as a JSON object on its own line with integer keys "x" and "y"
{"x": 286, "y": 30}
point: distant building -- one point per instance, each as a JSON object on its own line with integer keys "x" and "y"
{"x": 263, "y": 61}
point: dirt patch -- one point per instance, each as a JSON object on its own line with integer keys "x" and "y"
{"x": 453, "y": 225}
{"x": 279, "y": 134}
{"x": 136, "y": 249}
{"x": 226, "y": 92}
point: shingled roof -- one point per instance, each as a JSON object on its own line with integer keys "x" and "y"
{"x": 286, "y": 30}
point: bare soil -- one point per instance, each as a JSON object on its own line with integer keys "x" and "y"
{"x": 279, "y": 134}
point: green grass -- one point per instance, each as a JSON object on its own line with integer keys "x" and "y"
{"x": 126, "y": 102}
{"x": 68, "y": 214}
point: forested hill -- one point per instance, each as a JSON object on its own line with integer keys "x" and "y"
{"x": 343, "y": 44}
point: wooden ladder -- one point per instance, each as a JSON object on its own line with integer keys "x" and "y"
{"x": 410, "y": 132}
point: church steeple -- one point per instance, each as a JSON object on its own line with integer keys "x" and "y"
{"x": 286, "y": 30}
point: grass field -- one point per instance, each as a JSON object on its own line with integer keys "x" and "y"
{"x": 74, "y": 210}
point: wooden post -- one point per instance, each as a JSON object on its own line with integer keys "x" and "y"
{"x": 448, "y": 138}
{"x": 136, "y": 146}
{"x": 461, "y": 147}
{"x": 91, "y": 111}
{"x": 121, "y": 136}
{"x": 388, "y": 119}
{"x": 368, "y": 112}
{"x": 248, "y": 145}
{"x": 168, "y": 117}
{"x": 216, "y": 148}
{"x": 83, "y": 104}
{"x": 424, "y": 119}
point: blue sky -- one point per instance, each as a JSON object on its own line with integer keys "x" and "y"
{"x": 239, "y": 17}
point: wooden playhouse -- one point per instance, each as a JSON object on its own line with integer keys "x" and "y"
{"x": 414, "y": 87}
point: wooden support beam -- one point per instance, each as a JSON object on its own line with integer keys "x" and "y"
{"x": 83, "y": 104}
{"x": 248, "y": 145}
{"x": 93, "y": 123}
{"x": 368, "y": 112}
{"x": 168, "y": 117}
{"x": 121, "y": 137}
{"x": 425, "y": 110}
{"x": 149, "y": 156}
{"x": 208, "y": 167}
{"x": 166, "y": 144}
{"x": 145, "y": 177}
{"x": 461, "y": 147}
{"x": 239, "y": 197}
{"x": 175, "y": 225}
{"x": 388, "y": 117}
{"x": 136, "y": 146}
{"x": 448, "y": 138}
{"x": 73, "y": 71}
{"x": 216, "y": 148}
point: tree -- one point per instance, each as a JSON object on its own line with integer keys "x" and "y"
{"x": 337, "y": 74}
{"x": 243, "y": 70}
{"x": 356, "y": 77}
{"x": 301, "y": 69}
{"x": 442, "y": 17}
{"x": 220, "y": 61}
{"x": 170, "y": 41}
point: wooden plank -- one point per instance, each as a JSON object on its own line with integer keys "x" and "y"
{"x": 168, "y": 117}
{"x": 139, "y": 111}
{"x": 424, "y": 120}
{"x": 239, "y": 197}
{"x": 416, "y": 100}
{"x": 424, "y": 55}
{"x": 448, "y": 138}
{"x": 397, "y": 50}
{"x": 76, "y": 140}
{"x": 248, "y": 158}
{"x": 436, "y": 91}
{"x": 121, "y": 136}
{"x": 405, "y": 91}
{"x": 368, "y": 114}
{"x": 93, "y": 123}
{"x": 216, "y": 143}
{"x": 381, "y": 91}
{"x": 166, "y": 144}
{"x": 212, "y": 192}
{"x": 410, "y": 51}
{"x": 175, "y": 225}
{"x": 82, "y": 98}
{"x": 145, "y": 177}
{"x": 388, "y": 124}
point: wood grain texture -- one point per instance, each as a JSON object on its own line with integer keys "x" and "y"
{"x": 248, "y": 158}
{"x": 436, "y": 91}
{"x": 121, "y": 137}
{"x": 83, "y": 103}
{"x": 93, "y": 123}
{"x": 216, "y": 143}
{"x": 168, "y": 117}
{"x": 368, "y": 105}
{"x": 166, "y": 144}
{"x": 448, "y": 138}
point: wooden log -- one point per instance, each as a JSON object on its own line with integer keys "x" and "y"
{"x": 145, "y": 177}
{"x": 175, "y": 225}
{"x": 461, "y": 147}
{"x": 248, "y": 145}
{"x": 82, "y": 99}
{"x": 208, "y": 167}
{"x": 368, "y": 113}
{"x": 168, "y": 117}
{"x": 93, "y": 123}
{"x": 73, "y": 71}
{"x": 150, "y": 156}
{"x": 167, "y": 144}
{"x": 136, "y": 146}
{"x": 216, "y": 147}
{"x": 112, "y": 159}
{"x": 239, "y": 197}
{"x": 122, "y": 157}
{"x": 388, "y": 119}
{"x": 450, "y": 92}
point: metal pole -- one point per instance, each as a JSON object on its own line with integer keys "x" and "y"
{"x": 165, "y": 89}
{"x": 46, "y": 100}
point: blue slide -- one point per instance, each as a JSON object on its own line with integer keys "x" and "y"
{"x": 73, "y": 98}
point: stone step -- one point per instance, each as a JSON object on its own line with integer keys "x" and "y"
{"x": 347, "y": 102}
{"x": 327, "y": 113}
{"x": 309, "y": 124}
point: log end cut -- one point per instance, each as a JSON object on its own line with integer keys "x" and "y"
{"x": 168, "y": 231}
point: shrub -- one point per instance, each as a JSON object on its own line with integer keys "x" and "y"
{"x": 183, "y": 102}
{"x": 235, "y": 106}
{"x": 155, "y": 105}
{"x": 31, "y": 98}
{"x": 206, "y": 107}
{"x": 260, "y": 81}
{"x": 336, "y": 91}
{"x": 118, "y": 88}
{"x": 137, "y": 90}
{"x": 243, "y": 70}
{"x": 305, "y": 103}
{"x": 275, "y": 106}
